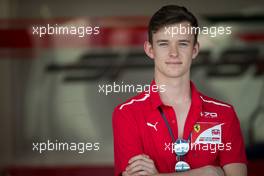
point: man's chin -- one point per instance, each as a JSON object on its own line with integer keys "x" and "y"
{"x": 174, "y": 73}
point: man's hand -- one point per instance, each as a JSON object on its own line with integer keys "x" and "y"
{"x": 213, "y": 170}
{"x": 234, "y": 169}
{"x": 140, "y": 165}
{"x": 202, "y": 171}
{"x": 143, "y": 165}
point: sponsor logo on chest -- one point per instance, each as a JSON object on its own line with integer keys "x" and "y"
{"x": 207, "y": 133}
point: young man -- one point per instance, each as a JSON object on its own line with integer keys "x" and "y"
{"x": 178, "y": 131}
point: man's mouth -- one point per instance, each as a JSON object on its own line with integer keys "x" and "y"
{"x": 173, "y": 62}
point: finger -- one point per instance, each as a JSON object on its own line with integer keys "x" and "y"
{"x": 139, "y": 169}
{"x": 139, "y": 157}
{"x": 141, "y": 165}
{"x": 125, "y": 173}
{"x": 145, "y": 162}
{"x": 141, "y": 173}
{"x": 219, "y": 171}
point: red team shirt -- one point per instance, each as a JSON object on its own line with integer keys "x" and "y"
{"x": 139, "y": 128}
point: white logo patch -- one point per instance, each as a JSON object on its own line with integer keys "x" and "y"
{"x": 211, "y": 135}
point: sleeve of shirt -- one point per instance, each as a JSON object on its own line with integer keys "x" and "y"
{"x": 127, "y": 141}
{"x": 234, "y": 151}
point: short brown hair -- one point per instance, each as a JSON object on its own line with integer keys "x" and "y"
{"x": 168, "y": 15}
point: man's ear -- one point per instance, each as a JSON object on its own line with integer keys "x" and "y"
{"x": 196, "y": 49}
{"x": 148, "y": 49}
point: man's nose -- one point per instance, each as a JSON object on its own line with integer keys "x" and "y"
{"x": 173, "y": 51}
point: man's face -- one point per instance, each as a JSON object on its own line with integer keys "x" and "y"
{"x": 172, "y": 54}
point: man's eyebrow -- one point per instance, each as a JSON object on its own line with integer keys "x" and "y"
{"x": 162, "y": 41}
{"x": 185, "y": 40}
{"x": 182, "y": 40}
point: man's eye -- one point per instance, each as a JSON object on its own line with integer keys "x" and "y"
{"x": 163, "y": 44}
{"x": 183, "y": 44}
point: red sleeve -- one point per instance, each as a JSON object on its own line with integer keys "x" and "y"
{"x": 233, "y": 138}
{"x": 127, "y": 141}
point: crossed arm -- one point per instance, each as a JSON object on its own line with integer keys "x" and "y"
{"x": 144, "y": 165}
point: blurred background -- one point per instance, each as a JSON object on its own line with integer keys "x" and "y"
{"x": 49, "y": 85}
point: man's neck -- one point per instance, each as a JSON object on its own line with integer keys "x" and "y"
{"x": 177, "y": 90}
